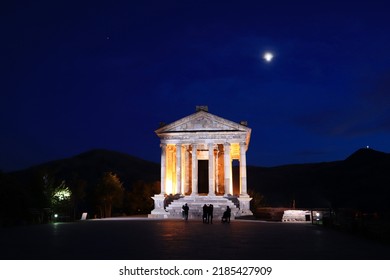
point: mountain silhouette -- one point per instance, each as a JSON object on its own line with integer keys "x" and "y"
{"x": 361, "y": 181}
{"x": 91, "y": 165}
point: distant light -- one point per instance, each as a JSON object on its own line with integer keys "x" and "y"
{"x": 368, "y": 147}
{"x": 63, "y": 194}
{"x": 317, "y": 214}
{"x": 268, "y": 56}
{"x": 55, "y": 215}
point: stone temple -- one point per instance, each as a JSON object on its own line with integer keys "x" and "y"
{"x": 197, "y": 155}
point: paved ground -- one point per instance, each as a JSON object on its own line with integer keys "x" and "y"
{"x": 176, "y": 239}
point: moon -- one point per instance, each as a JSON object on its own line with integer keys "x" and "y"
{"x": 268, "y": 56}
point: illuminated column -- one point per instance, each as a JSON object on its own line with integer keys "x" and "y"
{"x": 243, "y": 188}
{"x": 183, "y": 169}
{"x": 163, "y": 166}
{"x": 170, "y": 169}
{"x": 159, "y": 211}
{"x": 244, "y": 198}
{"x": 227, "y": 163}
{"x": 194, "y": 169}
{"x": 211, "y": 170}
{"x": 216, "y": 166}
{"x": 186, "y": 174}
{"x": 178, "y": 168}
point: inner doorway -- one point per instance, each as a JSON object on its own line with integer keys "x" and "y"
{"x": 203, "y": 176}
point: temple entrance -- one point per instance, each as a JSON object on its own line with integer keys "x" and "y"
{"x": 203, "y": 176}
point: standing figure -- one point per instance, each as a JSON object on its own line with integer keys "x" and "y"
{"x": 185, "y": 210}
{"x": 210, "y": 214}
{"x": 204, "y": 216}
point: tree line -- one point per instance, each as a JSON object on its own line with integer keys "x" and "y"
{"x": 46, "y": 198}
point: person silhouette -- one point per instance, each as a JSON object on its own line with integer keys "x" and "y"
{"x": 205, "y": 211}
{"x": 185, "y": 210}
{"x": 226, "y": 215}
{"x": 210, "y": 214}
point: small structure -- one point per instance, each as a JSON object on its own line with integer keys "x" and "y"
{"x": 196, "y": 164}
{"x": 296, "y": 216}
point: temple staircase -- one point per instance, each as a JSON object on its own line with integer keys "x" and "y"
{"x": 195, "y": 203}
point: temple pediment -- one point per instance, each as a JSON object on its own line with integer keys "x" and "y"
{"x": 203, "y": 121}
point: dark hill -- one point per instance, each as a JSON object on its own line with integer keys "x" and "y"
{"x": 360, "y": 181}
{"x": 91, "y": 165}
{"x": 367, "y": 156}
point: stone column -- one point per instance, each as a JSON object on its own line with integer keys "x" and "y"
{"x": 243, "y": 188}
{"x": 211, "y": 170}
{"x": 186, "y": 170}
{"x": 216, "y": 166}
{"x": 227, "y": 163}
{"x": 244, "y": 198}
{"x": 163, "y": 166}
{"x": 178, "y": 169}
{"x": 169, "y": 171}
{"x": 194, "y": 170}
{"x": 159, "y": 211}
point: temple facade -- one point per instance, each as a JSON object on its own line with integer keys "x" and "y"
{"x": 197, "y": 154}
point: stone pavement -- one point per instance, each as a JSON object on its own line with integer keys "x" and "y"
{"x": 148, "y": 239}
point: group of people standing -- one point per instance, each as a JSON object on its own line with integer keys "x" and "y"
{"x": 207, "y": 216}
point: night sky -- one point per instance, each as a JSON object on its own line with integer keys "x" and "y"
{"x": 79, "y": 75}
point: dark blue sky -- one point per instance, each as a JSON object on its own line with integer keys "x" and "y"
{"x": 79, "y": 75}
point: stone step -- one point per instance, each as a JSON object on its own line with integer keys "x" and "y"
{"x": 196, "y": 204}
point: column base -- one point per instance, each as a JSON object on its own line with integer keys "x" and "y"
{"x": 158, "y": 212}
{"x": 158, "y": 215}
{"x": 244, "y": 200}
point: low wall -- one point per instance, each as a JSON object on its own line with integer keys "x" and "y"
{"x": 270, "y": 213}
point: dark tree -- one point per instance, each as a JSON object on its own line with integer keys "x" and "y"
{"x": 109, "y": 193}
{"x": 257, "y": 200}
{"x": 14, "y": 202}
{"x": 139, "y": 199}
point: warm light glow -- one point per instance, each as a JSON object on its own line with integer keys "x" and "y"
{"x": 235, "y": 151}
{"x": 170, "y": 174}
{"x": 268, "y": 56}
{"x": 168, "y": 186}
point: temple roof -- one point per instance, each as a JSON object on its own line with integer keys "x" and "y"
{"x": 203, "y": 121}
